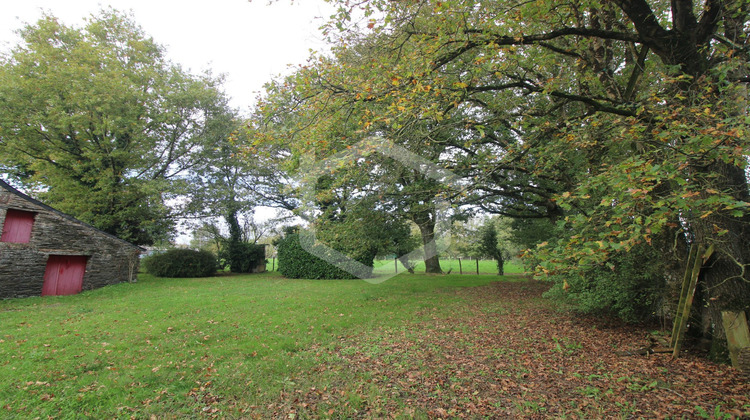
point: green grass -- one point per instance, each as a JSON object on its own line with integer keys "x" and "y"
{"x": 185, "y": 347}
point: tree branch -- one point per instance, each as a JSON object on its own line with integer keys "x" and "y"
{"x": 636, "y": 74}
{"x": 532, "y": 39}
{"x": 709, "y": 21}
{"x": 645, "y": 22}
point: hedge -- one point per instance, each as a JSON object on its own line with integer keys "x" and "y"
{"x": 181, "y": 263}
{"x": 295, "y": 262}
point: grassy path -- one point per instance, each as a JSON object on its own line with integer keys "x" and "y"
{"x": 265, "y": 347}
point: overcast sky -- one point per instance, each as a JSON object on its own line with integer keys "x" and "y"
{"x": 249, "y": 42}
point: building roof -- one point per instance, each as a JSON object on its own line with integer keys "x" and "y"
{"x": 12, "y": 190}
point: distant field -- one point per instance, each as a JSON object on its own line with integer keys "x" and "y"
{"x": 466, "y": 266}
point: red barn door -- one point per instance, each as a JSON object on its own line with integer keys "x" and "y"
{"x": 17, "y": 226}
{"x": 64, "y": 275}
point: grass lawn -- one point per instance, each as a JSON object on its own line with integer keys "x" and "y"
{"x": 415, "y": 346}
{"x": 185, "y": 346}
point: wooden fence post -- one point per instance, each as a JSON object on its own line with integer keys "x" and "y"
{"x": 683, "y": 293}
{"x": 701, "y": 257}
{"x": 738, "y": 336}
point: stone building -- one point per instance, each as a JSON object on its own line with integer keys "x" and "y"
{"x": 46, "y": 252}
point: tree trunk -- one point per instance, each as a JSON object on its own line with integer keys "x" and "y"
{"x": 725, "y": 282}
{"x": 431, "y": 259}
{"x": 234, "y": 245}
{"x": 235, "y": 231}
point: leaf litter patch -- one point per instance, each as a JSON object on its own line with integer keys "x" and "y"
{"x": 509, "y": 352}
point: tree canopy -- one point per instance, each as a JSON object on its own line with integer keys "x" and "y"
{"x": 99, "y": 124}
{"x": 623, "y": 122}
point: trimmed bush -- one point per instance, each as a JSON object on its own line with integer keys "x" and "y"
{"x": 181, "y": 263}
{"x": 295, "y": 262}
{"x": 242, "y": 257}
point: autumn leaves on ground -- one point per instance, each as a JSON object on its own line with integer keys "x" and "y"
{"x": 511, "y": 354}
{"x": 415, "y": 346}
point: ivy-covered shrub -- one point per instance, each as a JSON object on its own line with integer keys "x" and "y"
{"x": 631, "y": 286}
{"x": 295, "y": 262}
{"x": 242, "y": 257}
{"x": 181, "y": 263}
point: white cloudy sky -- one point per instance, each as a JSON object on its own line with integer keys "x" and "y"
{"x": 249, "y": 42}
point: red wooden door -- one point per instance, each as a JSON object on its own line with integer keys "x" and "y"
{"x": 17, "y": 226}
{"x": 64, "y": 275}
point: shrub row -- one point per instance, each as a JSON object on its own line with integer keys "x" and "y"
{"x": 296, "y": 262}
{"x": 181, "y": 263}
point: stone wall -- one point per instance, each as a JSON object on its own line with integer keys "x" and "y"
{"x": 110, "y": 260}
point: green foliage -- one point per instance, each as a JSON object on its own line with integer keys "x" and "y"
{"x": 101, "y": 124}
{"x": 630, "y": 285}
{"x": 322, "y": 125}
{"x": 242, "y": 257}
{"x": 181, "y": 263}
{"x": 528, "y": 233}
{"x": 485, "y": 237}
{"x": 296, "y": 262}
{"x": 623, "y": 134}
{"x": 362, "y": 232}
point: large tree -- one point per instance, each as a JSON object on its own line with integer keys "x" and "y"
{"x": 625, "y": 121}
{"x": 327, "y": 109}
{"x": 99, "y": 124}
